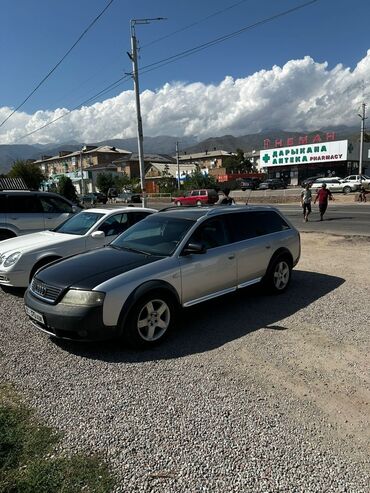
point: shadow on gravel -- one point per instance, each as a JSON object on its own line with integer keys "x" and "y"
{"x": 210, "y": 325}
{"x": 18, "y": 292}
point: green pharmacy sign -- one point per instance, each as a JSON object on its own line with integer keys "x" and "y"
{"x": 305, "y": 154}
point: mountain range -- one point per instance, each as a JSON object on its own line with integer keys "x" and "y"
{"x": 167, "y": 144}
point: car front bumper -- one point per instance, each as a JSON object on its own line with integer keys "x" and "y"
{"x": 14, "y": 278}
{"x": 78, "y": 323}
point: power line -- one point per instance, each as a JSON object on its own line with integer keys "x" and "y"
{"x": 203, "y": 19}
{"x": 174, "y": 58}
{"x": 59, "y": 62}
{"x": 107, "y": 89}
{"x": 220, "y": 39}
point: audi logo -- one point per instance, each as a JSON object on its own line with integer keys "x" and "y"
{"x": 40, "y": 289}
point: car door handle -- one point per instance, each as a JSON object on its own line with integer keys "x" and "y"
{"x": 231, "y": 257}
{"x": 268, "y": 246}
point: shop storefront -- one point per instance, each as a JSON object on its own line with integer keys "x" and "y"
{"x": 295, "y": 163}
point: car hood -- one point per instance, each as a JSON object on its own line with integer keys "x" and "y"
{"x": 34, "y": 241}
{"x": 87, "y": 270}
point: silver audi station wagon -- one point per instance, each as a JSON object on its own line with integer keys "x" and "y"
{"x": 175, "y": 258}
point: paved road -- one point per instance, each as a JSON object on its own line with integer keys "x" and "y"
{"x": 346, "y": 219}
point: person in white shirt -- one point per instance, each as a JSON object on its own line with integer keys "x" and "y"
{"x": 306, "y": 199}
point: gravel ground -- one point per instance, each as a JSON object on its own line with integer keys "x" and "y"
{"x": 251, "y": 394}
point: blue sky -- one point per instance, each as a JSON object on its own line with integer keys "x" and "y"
{"x": 35, "y": 34}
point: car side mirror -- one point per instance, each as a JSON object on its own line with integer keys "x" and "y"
{"x": 97, "y": 235}
{"x": 194, "y": 248}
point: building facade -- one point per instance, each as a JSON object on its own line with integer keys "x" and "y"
{"x": 294, "y": 163}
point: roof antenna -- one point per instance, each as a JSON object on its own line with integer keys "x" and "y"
{"x": 250, "y": 191}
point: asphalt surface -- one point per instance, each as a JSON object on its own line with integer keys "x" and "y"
{"x": 342, "y": 219}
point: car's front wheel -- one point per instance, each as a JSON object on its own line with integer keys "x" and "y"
{"x": 178, "y": 203}
{"x": 199, "y": 203}
{"x": 150, "y": 320}
{"x": 347, "y": 190}
{"x": 278, "y": 275}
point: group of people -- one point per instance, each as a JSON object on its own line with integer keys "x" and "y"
{"x": 323, "y": 196}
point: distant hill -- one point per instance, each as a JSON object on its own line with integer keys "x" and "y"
{"x": 166, "y": 144}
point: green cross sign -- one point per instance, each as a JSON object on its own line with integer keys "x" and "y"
{"x": 266, "y": 158}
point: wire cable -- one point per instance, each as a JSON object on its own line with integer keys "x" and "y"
{"x": 220, "y": 39}
{"x": 194, "y": 23}
{"x": 155, "y": 65}
{"x": 58, "y": 63}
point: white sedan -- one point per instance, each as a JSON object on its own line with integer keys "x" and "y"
{"x": 358, "y": 180}
{"x": 22, "y": 256}
{"x": 334, "y": 185}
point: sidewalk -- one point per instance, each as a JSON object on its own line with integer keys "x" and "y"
{"x": 289, "y": 195}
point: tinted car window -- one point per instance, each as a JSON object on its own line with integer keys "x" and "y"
{"x": 135, "y": 217}
{"x": 212, "y": 233}
{"x": 115, "y": 225}
{"x": 20, "y": 203}
{"x": 3, "y": 203}
{"x": 55, "y": 204}
{"x": 247, "y": 225}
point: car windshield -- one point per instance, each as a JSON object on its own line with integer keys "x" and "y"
{"x": 78, "y": 224}
{"x": 155, "y": 235}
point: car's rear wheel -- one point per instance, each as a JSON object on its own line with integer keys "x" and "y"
{"x": 150, "y": 320}
{"x": 199, "y": 202}
{"x": 347, "y": 190}
{"x": 278, "y": 275}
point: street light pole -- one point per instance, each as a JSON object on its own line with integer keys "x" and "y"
{"x": 135, "y": 75}
{"x": 178, "y": 165}
{"x": 82, "y": 174}
{"x": 363, "y": 118}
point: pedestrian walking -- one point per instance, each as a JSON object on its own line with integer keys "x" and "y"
{"x": 306, "y": 199}
{"x": 362, "y": 195}
{"x": 323, "y": 196}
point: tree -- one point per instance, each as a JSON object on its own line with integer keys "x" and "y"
{"x": 237, "y": 163}
{"x": 105, "y": 181}
{"x": 66, "y": 188}
{"x": 29, "y": 172}
{"x": 198, "y": 180}
{"x": 167, "y": 183}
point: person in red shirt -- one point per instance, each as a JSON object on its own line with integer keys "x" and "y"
{"x": 323, "y": 195}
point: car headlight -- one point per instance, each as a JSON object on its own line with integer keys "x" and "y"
{"x": 83, "y": 298}
{"x": 12, "y": 259}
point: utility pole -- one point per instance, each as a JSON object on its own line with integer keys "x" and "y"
{"x": 363, "y": 118}
{"x": 178, "y": 165}
{"x": 135, "y": 75}
{"x": 82, "y": 174}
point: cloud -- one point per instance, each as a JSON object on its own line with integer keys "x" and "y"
{"x": 301, "y": 95}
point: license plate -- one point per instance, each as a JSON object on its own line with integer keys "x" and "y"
{"x": 33, "y": 314}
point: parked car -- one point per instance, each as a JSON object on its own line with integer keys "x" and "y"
{"x": 93, "y": 198}
{"x": 272, "y": 184}
{"x": 197, "y": 197}
{"x": 310, "y": 180}
{"x": 335, "y": 185}
{"x": 92, "y": 228}
{"x": 23, "y": 212}
{"x": 128, "y": 198}
{"x": 242, "y": 184}
{"x": 134, "y": 287}
{"x": 360, "y": 180}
